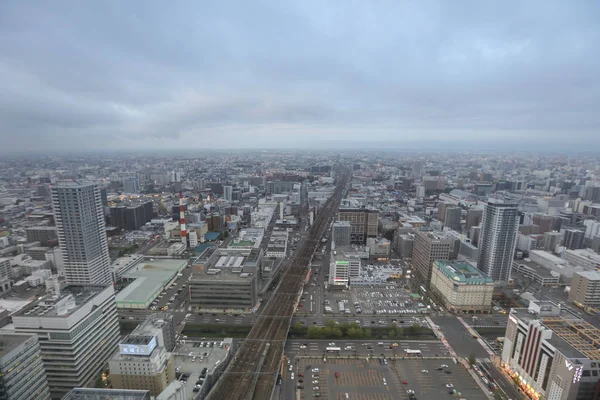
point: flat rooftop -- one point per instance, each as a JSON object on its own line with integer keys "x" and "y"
{"x": 573, "y": 337}
{"x": 104, "y": 394}
{"x": 11, "y": 341}
{"x": 536, "y": 268}
{"x": 148, "y": 278}
{"x": 71, "y": 298}
{"x": 202, "y": 274}
{"x": 591, "y": 275}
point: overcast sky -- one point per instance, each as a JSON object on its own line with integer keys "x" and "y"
{"x": 197, "y": 74}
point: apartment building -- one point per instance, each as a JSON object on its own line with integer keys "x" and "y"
{"x": 585, "y": 289}
{"x": 428, "y": 247}
{"x": 22, "y": 373}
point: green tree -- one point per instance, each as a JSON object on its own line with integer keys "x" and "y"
{"x": 472, "y": 359}
{"x": 367, "y": 333}
{"x": 392, "y": 333}
{"x": 336, "y": 332}
{"x": 299, "y": 328}
{"x": 330, "y": 323}
{"x": 315, "y": 332}
{"x": 327, "y": 331}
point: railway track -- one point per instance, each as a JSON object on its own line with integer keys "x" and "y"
{"x": 252, "y": 373}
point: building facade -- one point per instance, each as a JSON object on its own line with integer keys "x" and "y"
{"x": 452, "y": 218}
{"x": 22, "y": 373}
{"x": 461, "y": 287}
{"x": 43, "y": 234}
{"x": 551, "y": 354}
{"x": 223, "y": 288}
{"x": 79, "y": 217}
{"x": 341, "y": 233}
{"x": 364, "y": 223}
{"x": 585, "y": 289}
{"x": 498, "y": 240}
{"x": 78, "y": 331}
{"x": 428, "y": 247}
{"x": 112, "y": 394}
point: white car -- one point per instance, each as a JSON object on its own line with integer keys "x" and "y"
{"x": 315, "y": 382}
{"x": 449, "y": 385}
{"x": 302, "y": 346}
{"x": 424, "y": 371}
{"x": 331, "y": 344}
{"x": 292, "y": 376}
{"x": 444, "y": 366}
{"x": 315, "y": 370}
{"x": 291, "y": 368}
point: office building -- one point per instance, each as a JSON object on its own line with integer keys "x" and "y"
{"x": 417, "y": 169}
{"x": 106, "y": 394}
{"x": 474, "y": 217}
{"x": 452, "y": 218}
{"x": 222, "y": 287}
{"x": 228, "y": 193}
{"x": 341, "y": 233}
{"x": 498, "y": 240}
{"x": 573, "y": 238}
{"x": 364, "y": 222}
{"x": 379, "y": 248}
{"x": 345, "y": 264}
{"x": 59, "y": 320}
{"x": 79, "y": 217}
{"x": 551, "y": 240}
{"x": 428, "y": 247}
{"x": 142, "y": 361}
{"x": 46, "y": 235}
{"x": 585, "y": 289}
{"x": 461, "y": 287}
{"x": 536, "y": 273}
{"x": 420, "y": 191}
{"x": 131, "y": 186}
{"x": 551, "y": 354}
{"x": 22, "y": 374}
{"x": 131, "y": 217}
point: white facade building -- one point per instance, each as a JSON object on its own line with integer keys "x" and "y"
{"x": 79, "y": 217}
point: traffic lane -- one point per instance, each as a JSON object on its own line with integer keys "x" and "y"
{"x": 459, "y": 338}
{"x": 502, "y": 381}
{"x": 361, "y": 347}
{"x": 365, "y": 321}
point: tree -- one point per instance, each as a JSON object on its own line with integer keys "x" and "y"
{"x": 472, "y": 359}
{"x": 330, "y": 323}
{"x": 336, "y": 332}
{"x": 327, "y": 331}
{"x": 315, "y": 332}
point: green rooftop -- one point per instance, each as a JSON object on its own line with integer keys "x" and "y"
{"x": 462, "y": 272}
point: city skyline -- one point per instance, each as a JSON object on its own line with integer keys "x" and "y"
{"x": 292, "y": 75}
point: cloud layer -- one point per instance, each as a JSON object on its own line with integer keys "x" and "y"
{"x": 146, "y": 74}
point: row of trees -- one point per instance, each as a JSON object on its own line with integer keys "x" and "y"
{"x": 331, "y": 330}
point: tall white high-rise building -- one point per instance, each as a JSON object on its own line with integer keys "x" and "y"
{"x": 498, "y": 240}
{"x": 79, "y": 218}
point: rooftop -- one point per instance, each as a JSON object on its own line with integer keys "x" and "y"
{"x": 152, "y": 324}
{"x": 200, "y": 273}
{"x": 539, "y": 270}
{"x": 462, "y": 272}
{"x": 71, "y": 298}
{"x": 591, "y": 275}
{"x": 8, "y": 342}
{"x": 73, "y": 183}
{"x": 106, "y": 394}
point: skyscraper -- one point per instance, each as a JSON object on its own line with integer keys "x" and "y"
{"x": 428, "y": 247}
{"x": 81, "y": 232}
{"x": 498, "y": 239}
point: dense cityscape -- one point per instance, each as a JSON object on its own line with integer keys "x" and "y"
{"x": 286, "y": 274}
{"x": 299, "y": 200}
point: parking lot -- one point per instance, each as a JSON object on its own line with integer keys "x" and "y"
{"x": 384, "y": 300}
{"x": 372, "y": 380}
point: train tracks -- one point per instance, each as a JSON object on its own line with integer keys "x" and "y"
{"x": 252, "y": 373}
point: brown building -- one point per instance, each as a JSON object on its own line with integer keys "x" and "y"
{"x": 364, "y": 222}
{"x": 428, "y": 247}
{"x": 585, "y": 289}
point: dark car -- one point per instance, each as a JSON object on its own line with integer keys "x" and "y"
{"x": 448, "y": 372}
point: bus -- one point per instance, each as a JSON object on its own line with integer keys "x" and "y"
{"x": 333, "y": 349}
{"x": 413, "y": 352}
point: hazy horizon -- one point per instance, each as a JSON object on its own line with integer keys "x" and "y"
{"x": 433, "y": 76}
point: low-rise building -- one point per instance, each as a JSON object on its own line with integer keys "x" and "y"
{"x": 378, "y": 248}
{"x": 551, "y": 353}
{"x": 585, "y": 258}
{"x": 585, "y": 289}
{"x": 101, "y": 394}
{"x": 277, "y": 246}
{"x": 535, "y": 272}
{"x": 223, "y": 288}
{"x": 461, "y": 287}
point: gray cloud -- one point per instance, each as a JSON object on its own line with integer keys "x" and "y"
{"x": 267, "y": 73}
